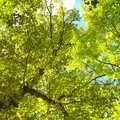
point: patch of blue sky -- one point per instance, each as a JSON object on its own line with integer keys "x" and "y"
{"x": 78, "y": 5}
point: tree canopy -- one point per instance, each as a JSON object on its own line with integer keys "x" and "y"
{"x": 50, "y": 69}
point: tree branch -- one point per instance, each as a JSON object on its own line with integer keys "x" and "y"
{"x": 47, "y": 7}
{"x": 70, "y": 95}
{"x": 65, "y": 113}
{"x": 12, "y": 102}
{"x": 60, "y": 40}
{"x": 27, "y": 89}
{"x": 63, "y": 96}
{"x": 108, "y": 63}
{"x": 115, "y": 28}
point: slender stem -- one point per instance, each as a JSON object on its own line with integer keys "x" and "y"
{"x": 47, "y": 6}
{"x": 51, "y": 38}
{"x": 118, "y": 33}
{"x": 26, "y": 60}
{"x": 51, "y": 32}
{"x": 25, "y": 69}
{"x": 108, "y": 63}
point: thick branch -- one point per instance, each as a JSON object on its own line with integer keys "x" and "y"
{"x": 65, "y": 113}
{"x": 34, "y": 92}
{"x": 12, "y": 102}
{"x": 64, "y": 96}
{"x": 2, "y": 105}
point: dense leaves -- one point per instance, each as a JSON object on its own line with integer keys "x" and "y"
{"x": 52, "y": 70}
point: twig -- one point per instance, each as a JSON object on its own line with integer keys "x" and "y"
{"x": 115, "y": 28}
{"x": 108, "y": 63}
{"x": 47, "y": 7}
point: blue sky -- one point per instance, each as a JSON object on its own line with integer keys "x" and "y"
{"x": 70, "y": 4}
{"x": 78, "y": 5}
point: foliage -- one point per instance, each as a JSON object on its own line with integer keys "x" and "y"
{"x": 52, "y": 70}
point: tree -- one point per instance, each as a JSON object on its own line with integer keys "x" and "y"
{"x": 92, "y": 2}
{"x": 50, "y": 69}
